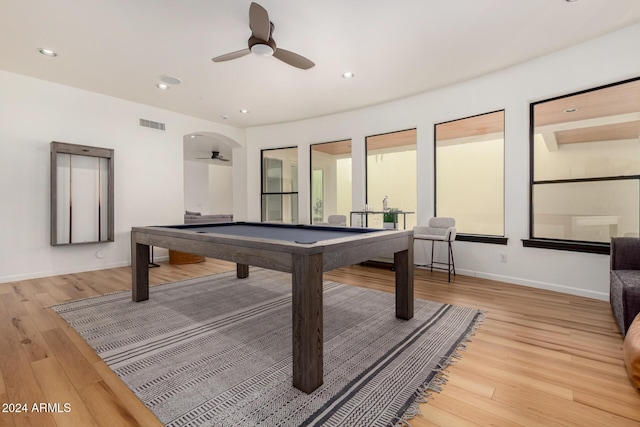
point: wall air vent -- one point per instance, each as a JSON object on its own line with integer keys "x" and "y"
{"x": 151, "y": 124}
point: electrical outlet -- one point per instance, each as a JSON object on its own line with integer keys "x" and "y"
{"x": 503, "y": 257}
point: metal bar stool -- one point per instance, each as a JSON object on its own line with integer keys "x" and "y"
{"x": 440, "y": 229}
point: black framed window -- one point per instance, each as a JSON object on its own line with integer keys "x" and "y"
{"x": 280, "y": 185}
{"x": 331, "y": 165}
{"x": 469, "y": 175}
{"x": 391, "y": 179}
{"x": 585, "y": 168}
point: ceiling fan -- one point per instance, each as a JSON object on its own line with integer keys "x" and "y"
{"x": 215, "y": 155}
{"x": 261, "y": 41}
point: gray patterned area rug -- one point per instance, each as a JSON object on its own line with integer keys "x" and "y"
{"x": 216, "y": 351}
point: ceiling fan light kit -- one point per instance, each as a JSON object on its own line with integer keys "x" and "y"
{"x": 260, "y": 48}
{"x": 262, "y": 43}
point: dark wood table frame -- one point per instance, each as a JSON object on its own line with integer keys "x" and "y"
{"x": 305, "y": 262}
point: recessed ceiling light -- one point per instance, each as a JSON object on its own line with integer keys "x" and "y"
{"x": 162, "y": 86}
{"x": 570, "y": 1}
{"x": 224, "y": 116}
{"x": 171, "y": 80}
{"x": 570, "y": 110}
{"x": 348, "y": 75}
{"x": 47, "y": 52}
{"x": 243, "y": 111}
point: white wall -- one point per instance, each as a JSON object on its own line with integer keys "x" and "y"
{"x": 220, "y": 189}
{"x": 597, "y": 62}
{"x": 208, "y": 188}
{"x": 148, "y": 171}
{"x": 196, "y": 187}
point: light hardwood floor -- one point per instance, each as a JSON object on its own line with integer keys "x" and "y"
{"x": 540, "y": 358}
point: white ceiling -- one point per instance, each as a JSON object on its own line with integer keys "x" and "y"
{"x": 395, "y": 48}
{"x": 197, "y": 147}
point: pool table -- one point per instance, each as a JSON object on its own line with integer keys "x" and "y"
{"x": 304, "y": 251}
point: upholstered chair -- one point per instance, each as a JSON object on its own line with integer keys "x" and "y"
{"x": 337, "y": 220}
{"x": 439, "y": 229}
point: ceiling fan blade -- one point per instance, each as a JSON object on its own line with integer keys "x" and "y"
{"x": 293, "y": 59}
{"x": 232, "y": 55}
{"x": 212, "y": 158}
{"x": 259, "y": 21}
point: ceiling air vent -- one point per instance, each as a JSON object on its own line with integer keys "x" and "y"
{"x": 151, "y": 124}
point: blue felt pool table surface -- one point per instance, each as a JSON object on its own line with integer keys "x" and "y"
{"x": 303, "y": 234}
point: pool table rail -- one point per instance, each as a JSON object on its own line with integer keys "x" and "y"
{"x": 274, "y": 254}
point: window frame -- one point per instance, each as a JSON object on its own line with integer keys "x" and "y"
{"x": 263, "y": 193}
{"x": 565, "y": 244}
{"x": 311, "y": 174}
{"x": 467, "y": 237}
{"x": 366, "y": 165}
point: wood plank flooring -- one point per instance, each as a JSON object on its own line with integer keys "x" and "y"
{"x": 539, "y": 359}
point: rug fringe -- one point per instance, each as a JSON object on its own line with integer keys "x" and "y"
{"x": 425, "y": 392}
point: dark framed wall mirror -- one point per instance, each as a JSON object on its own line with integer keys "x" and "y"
{"x": 82, "y": 194}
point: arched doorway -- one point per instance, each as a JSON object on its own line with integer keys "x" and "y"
{"x": 208, "y": 181}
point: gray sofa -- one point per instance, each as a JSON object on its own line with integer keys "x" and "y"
{"x": 198, "y": 218}
{"x": 624, "y": 292}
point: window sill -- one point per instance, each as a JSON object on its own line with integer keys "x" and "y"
{"x": 568, "y": 245}
{"x": 477, "y": 238}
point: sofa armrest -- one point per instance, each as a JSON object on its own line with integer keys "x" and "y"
{"x": 204, "y": 219}
{"x": 625, "y": 253}
{"x": 624, "y": 295}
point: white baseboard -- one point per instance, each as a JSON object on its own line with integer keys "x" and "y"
{"x": 41, "y": 274}
{"x": 604, "y": 296}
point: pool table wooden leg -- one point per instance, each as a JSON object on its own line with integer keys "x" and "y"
{"x": 139, "y": 270}
{"x": 242, "y": 271}
{"x": 404, "y": 282}
{"x": 307, "y": 322}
